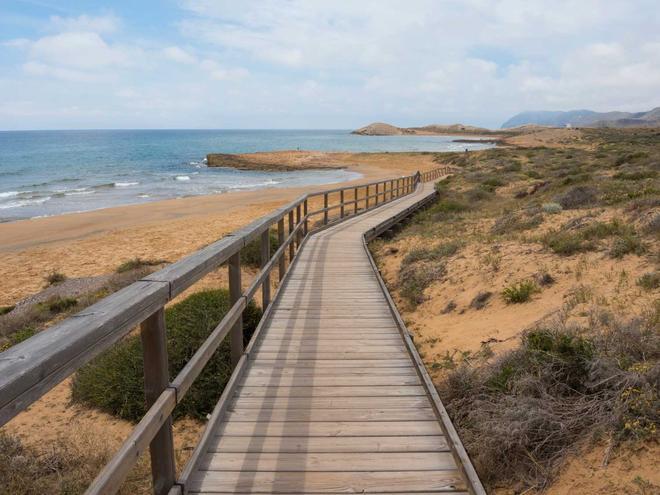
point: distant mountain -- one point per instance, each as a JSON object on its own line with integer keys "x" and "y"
{"x": 382, "y": 129}
{"x": 586, "y": 118}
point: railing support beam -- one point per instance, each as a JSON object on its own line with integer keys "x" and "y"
{"x": 280, "y": 241}
{"x": 235, "y": 290}
{"x": 265, "y": 258}
{"x": 156, "y": 379}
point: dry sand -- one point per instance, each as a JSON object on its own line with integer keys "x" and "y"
{"x": 96, "y": 242}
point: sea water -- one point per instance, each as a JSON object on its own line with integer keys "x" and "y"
{"x": 53, "y": 172}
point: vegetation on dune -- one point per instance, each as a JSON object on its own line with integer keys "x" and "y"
{"x": 520, "y": 292}
{"x": 114, "y": 381}
{"x": 55, "y": 278}
{"x": 137, "y": 264}
{"x": 520, "y": 414}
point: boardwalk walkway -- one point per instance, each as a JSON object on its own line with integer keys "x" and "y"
{"x": 333, "y": 399}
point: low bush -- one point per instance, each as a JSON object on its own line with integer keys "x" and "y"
{"x": 481, "y": 300}
{"x": 435, "y": 253}
{"x": 520, "y": 416}
{"x": 565, "y": 243}
{"x": 6, "y": 309}
{"x": 637, "y": 175}
{"x": 416, "y": 277}
{"x": 55, "y": 278}
{"x": 138, "y": 263}
{"x": 627, "y": 244}
{"x": 551, "y": 208}
{"x": 649, "y": 281}
{"x": 114, "y": 381}
{"x": 251, "y": 253}
{"x": 515, "y": 222}
{"x": 520, "y": 292}
{"x": 58, "y": 305}
{"x": 577, "y": 197}
{"x": 60, "y": 467}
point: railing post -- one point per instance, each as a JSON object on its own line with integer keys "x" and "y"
{"x": 341, "y": 201}
{"x": 156, "y": 379}
{"x": 306, "y": 227}
{"x": 292, "y": 247}
{"x": 418, "y": 178}
{"x": 355, "y": 205}
{"x": 280, "y": 241}
{"x": 325, "y": 211}
{"x": 299, "y": 234}
{"x": 265, "y": 258}
{"x": 234, "y": 295}
{"x": 366, "y": 197}
{"x": 376, "y": 193}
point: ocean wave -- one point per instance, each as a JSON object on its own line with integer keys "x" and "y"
{"x": 82, "y": 192}
{"x": 24, "y": 202}
{"x": 182, "y": 177}
{"x": 9, "y": 194}
{"x": 126, "y": 184}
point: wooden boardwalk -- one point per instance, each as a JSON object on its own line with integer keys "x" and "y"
{"x": 333, "y": 399}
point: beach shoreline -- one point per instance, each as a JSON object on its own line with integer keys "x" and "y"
{"x": 95, "y": 242}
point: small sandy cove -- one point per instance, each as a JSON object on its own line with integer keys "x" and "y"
{"x": 96, "y": 242}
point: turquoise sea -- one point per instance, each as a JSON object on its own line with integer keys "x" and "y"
{"x": 52, "y": 172}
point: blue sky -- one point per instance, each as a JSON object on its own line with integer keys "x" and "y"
{"x": 320, "y": 64}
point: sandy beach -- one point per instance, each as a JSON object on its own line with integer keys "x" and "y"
{"x": 96, "y": 242}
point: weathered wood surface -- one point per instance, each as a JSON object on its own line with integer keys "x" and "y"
{"x": 331, "y": 400}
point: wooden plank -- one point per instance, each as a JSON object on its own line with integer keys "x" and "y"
{"x": 313, "y": 482}
{"x": 320, "y": 355}
{"x": 313, "y": 347}
{"x": 256, "y": 370}
{"x": 328, "y": 428}
{"x": 436, "y": 443}
{"x": 336, "y": 363}
{"x": 320, "y": 462}
{"x": 358, "y": 402}
{"x": 371, "y": 391}
{"x": 306, "y": 414}
{"x": 318, "y": 381}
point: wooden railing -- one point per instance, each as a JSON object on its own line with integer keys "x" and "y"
{"x": 31, "y": 368}
{"x": 435, "y": 174}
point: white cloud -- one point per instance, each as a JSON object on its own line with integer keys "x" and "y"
{"x": 98, "y": 24}
{"x": 83, "y": 50}
{"x": 180, "y": 55}
{"x": 252, "y": 63}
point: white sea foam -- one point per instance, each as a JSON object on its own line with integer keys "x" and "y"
{"x": 182, "y": 177}
{"x": 24, "y": 202}
{"x": 126, "y": 184}
{"x": 9, "y": 194}
{"x": 81, "y": 192}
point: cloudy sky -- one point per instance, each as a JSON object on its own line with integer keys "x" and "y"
{"x": 68, "y": 64}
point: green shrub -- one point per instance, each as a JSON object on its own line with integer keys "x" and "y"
{"x": 565, "y": 243}
{"x": 515, "y": 222}
{"x": 59, "y": 304}
{"x": 138, "y": 263}
{"x": 17, "y": 337}
{"x": 451, "y": 206}
{"x": 520, "y": 415}
{"x": 415, "y": 278}
{"x": 251, "y": 253}
{"x": 435, "y": 253}
{"x": 649, "y": 281}
{"x": 6, "y": 309}
{"x": 114, "y": 381}
{"x": 55, "y": 278}
{"x": 638, "y": 175}
{"x": 577, "y": 197}
{"x": 551, "y": 208}
{"x": 626, "y": 244}
{"x": 520, "y": 292}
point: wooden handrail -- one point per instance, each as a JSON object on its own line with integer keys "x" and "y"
{"x": 30, "y": 369}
